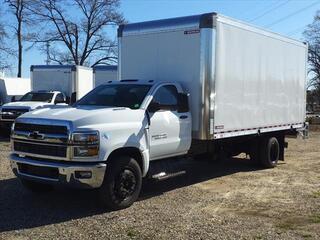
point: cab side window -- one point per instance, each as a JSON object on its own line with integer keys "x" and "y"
{"x": 167, "y": 96}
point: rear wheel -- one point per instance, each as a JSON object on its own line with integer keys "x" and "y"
{"x": 35, "y": 186}
{"x": 269, "y": 152}
{"x": 122, "y": 183}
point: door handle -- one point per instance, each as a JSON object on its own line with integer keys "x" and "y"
{"x": 183, "y": 117}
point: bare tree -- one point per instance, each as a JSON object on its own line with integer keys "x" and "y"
{"x": 81, "y": 37}
{"x": 4, "y": 50}
{"x": 312, "y": 36}
{"x": 19, "y": 9}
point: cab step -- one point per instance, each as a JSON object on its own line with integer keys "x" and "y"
{"x": 163, "y": 175}
{"x": 168, "y": 168}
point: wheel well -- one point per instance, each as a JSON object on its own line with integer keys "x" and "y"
{"x": 128, "y": 151}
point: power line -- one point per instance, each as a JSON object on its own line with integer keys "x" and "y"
{"x": 297, "y": 30}
{"x": 270, "y": 10}
{"x": 249, "y": 12}
{"x": 292, "y": 14}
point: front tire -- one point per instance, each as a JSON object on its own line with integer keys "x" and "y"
{"x": 122, "y": 183}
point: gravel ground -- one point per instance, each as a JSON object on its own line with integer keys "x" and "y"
{"x": 227, "y": 200}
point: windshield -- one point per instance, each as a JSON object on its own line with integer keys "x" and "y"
{"x": 116, "y": 95}
{"x": 37, "y": 97}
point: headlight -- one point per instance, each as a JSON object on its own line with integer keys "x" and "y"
{"x": 86, "y": 144}
{"x": 86, "y": 151}
{"x": 85, "y": 138}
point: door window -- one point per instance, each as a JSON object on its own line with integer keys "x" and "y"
{"x": 167, "y": 96}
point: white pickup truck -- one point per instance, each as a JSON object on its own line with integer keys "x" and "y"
{"x": 51, "y": 85}
{"x": 210, "y": 85}
{"x": 29, "y": 102}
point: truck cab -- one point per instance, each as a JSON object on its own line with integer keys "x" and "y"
{"x": 138, "y": 121}
{"x": 29, "y": 102}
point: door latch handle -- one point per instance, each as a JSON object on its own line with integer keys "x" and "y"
{"x": 183, "y": 117}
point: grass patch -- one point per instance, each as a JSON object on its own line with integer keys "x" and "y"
{"x": 258, "y": 237}
{"x": 306, "y": 235}
{"x": 287, "y": 226}
{"x": 315, "y": 218}
{"x": 131, "y": 233}
{"x": 316, "y": 194}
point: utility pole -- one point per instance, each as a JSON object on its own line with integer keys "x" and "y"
{"x": 48, "y": 57}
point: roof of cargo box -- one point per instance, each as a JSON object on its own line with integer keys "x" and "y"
{"x": 72, "y": 67}
{"x": 201, "y": 21}
{"x": 207, "y": 20}
{"x": 105, "y": 67}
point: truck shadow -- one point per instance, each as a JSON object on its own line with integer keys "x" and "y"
{"x": 4, "y": 135}
{"x": 20, "y": 209}
{"x": 197, "y": 171}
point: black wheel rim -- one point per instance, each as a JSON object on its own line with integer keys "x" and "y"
{"x": 125, "y": 184}
{"x": 274, "y": 152}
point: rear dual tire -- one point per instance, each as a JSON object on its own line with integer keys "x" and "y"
{"x": 266, "y": 152}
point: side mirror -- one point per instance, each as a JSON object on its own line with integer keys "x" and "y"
{"x": 67, "y": 100}
{"x": 73, "y": 98}
{"x": 13, "y": 98}
{"x": 183, "y": 102}
{"x": 154, "y": 107}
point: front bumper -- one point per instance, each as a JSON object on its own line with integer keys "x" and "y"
{"x": 67, "y": 172}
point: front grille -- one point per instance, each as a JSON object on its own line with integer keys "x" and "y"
{"x": 46, "y": 129}
{"x": 47, "y": 150}
{"x": 9, "y": 117}
{"x": 12, "y": 114}
{"x": 38, "y": 171}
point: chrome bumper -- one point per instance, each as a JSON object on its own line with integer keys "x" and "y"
{"x": 66, "y": 172}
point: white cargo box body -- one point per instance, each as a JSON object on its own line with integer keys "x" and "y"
{"x": 64, "y": 78}
{"x": 13, "y": 87}
{"x": 241, "y": 79}
{"x": 103, "y": 74}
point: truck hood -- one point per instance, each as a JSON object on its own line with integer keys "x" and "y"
{"x": 87, "y": 116}
{"x": 25, "y": 105}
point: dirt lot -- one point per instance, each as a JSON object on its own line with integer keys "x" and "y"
{"x": 227, "y": 200}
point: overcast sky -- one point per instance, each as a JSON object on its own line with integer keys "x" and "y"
{"x": 288, "y": 17}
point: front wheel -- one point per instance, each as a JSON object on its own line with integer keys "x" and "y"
{"x": 122, "y": 183}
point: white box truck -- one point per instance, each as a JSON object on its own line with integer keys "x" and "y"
{"x": 51, "y": 85}
{"x": 72, "y": 80}
{"x": 204, "y": 84}
{"x": 104, "y": 73}
{"x": 13, "y": 88}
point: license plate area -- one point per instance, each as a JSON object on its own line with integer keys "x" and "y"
{"x": 39, "y": 171}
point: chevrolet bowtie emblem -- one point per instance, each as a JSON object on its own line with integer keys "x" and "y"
{"x": 36, "y": 135}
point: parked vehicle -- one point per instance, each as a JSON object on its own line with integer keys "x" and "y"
{"x": 74, "y": 81}
{"x": 51, "y": 85}
{"x": 29, "y": 102}
{"x": 102, "y": 74}
{"x": 13, "y": 88}
{"x": 202, "y": 84}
